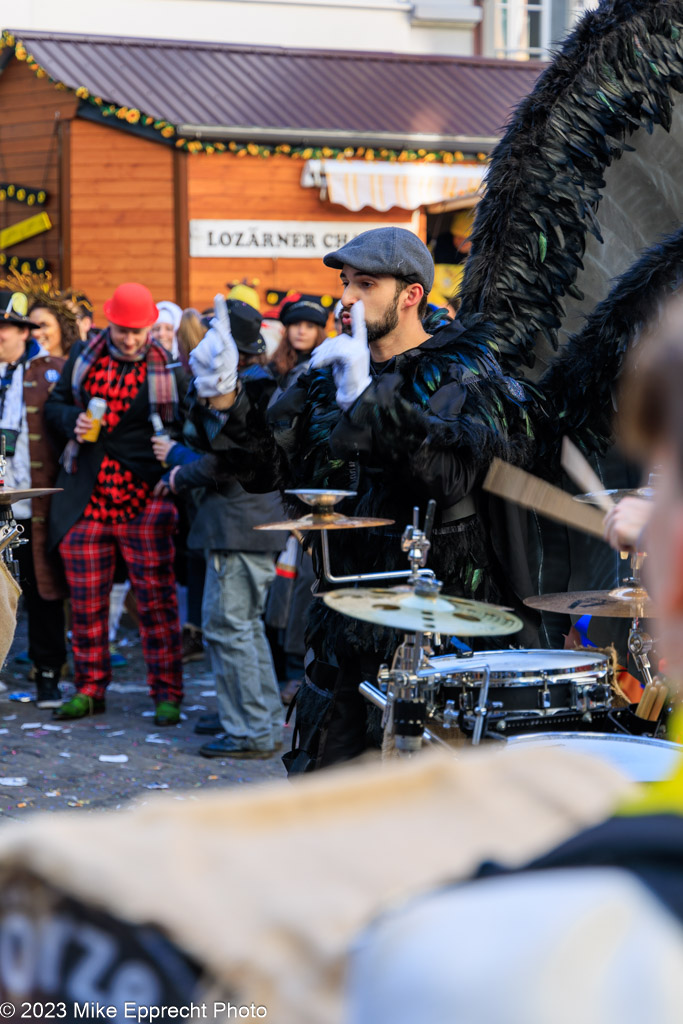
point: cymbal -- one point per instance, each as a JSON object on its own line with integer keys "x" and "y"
{"x": 8, "y": 495}
{"x": 401, "y": 608}
{"x": 333, "y": 521}
{"x": 593, "y": 497}
{"x": 320, "y": 499}
{"x": 621, "y": 603}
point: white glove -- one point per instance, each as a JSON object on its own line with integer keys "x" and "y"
{"x": 349, "y": 357}
{"x": 215, "y": 359}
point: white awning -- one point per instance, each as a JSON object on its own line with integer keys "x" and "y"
{"x": 383, "y": 185}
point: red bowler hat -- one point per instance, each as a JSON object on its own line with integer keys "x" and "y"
{"x": 131, "y": 306}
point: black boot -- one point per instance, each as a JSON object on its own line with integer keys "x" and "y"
{"x": 48, "y": 694}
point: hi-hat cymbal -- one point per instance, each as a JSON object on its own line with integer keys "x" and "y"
{"x": 622, "y": 603}
{"x": 333, "y": 521}
{"x": 320, "y": 499}
{"x": 401, "y": 608}
{"x": 593, "y": 497}
{"x": 8, "y": 495}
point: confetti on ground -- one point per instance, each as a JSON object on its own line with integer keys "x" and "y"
{"x": 208, "y": 693}
{"x": 196, "y": 707}
{"x": 53, "y": 792}
{"x": 119, "y": 732}
{"x": 8, "y": 718}
{"x": 63, "y": 753}
{"x": 212, "y": 777}
{"x": 156, "y": 785}
{"x": 16, "y": 780}
{"x": 3, "y": 732}
{"x": 114, "y": 758}
{"x": 148, "y": 714}
{"x": 154, "y": 737}
{"x": 30, "y": 725}
{"x": 22, "y": 696}
{"x": 52, "y": 728}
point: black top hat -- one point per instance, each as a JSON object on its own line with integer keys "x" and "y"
{"x": 13, "y": 309}
{"x": 245, "y": 324}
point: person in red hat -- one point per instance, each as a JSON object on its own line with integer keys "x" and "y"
{"x": 110, "y": 501}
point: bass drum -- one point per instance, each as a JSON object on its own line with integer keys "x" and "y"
{"x": 528, "y": 691}
{"x": 639, "y": 758}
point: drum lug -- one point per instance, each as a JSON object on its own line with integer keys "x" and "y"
{"x": 450, "y": 715}
{"x": 544, "y": 698}
{"x": 465, "y": 701}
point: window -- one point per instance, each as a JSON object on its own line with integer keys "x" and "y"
{"x": 521, "y": 28}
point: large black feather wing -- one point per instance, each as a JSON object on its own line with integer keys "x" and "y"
{"x": 576, "y": 187}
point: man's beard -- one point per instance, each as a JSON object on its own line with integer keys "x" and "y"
{"x": 388, "y": 323}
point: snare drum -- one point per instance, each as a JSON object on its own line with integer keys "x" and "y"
{"x": 529, "y": 690}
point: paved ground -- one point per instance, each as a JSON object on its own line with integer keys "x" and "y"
{"x": 47, "y": 765}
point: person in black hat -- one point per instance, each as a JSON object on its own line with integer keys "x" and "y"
{"x": 32, "y": 462}
{"x": 396, "y": 415}
{"x": 304, "y": 319}
{"x": 240, "y": 566}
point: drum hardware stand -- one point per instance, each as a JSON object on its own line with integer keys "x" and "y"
{"x": 376, "y": 697}
{"x": 640, "y": 645}
{"x": 481, "y": 709}
{"x": 10, "y": 530}
{"x": 639, "y": 642}
{"x": 414, "y": 542}
{"x": 408, "y": 701}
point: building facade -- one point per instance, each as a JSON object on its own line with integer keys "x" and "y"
{"x": 511, "y": 29}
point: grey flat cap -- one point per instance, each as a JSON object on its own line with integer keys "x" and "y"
{"x": 394, "y": 251}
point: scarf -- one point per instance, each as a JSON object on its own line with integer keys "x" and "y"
{"x": 162, "y": 389}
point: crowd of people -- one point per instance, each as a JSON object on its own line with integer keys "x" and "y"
{"x": 100, "y": 413}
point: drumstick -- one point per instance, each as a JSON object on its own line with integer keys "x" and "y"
{"x": 529, "y": 491}
{"x": 579, "y": 470}
{"x": 646, "y": 701}
{"x": 660, "y": 701}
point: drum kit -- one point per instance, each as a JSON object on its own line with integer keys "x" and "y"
{"x": 489, "y": 695}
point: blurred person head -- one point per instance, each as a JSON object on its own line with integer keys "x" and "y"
{"x": 56, "y": 325}
{"x": 131, "y": 311}
{"x": 191, "y": 330}
{"x": 651, "y": 429}
{"x": 244, "y": 292}
{"x": 304, "y": 322}
{"x": 80, "y": 304}
{"x": 15, "y": 326}
{"x": 166, "y": 327}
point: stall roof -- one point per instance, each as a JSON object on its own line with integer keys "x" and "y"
{"x": 264, "y": 93}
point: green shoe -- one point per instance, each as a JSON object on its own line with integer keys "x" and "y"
{"x": 167, "y": 713}
{"x": 80, "y": 706}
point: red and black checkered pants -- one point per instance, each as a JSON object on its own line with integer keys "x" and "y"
{"x": 89, "y": 554}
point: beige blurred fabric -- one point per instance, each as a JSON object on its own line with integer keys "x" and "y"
{"x": 9, "y": 599}
{"x": 269, "y": 887}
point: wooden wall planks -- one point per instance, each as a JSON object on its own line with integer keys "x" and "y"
{"x": 122, "y": 226}
{"x": 31, "y": 113}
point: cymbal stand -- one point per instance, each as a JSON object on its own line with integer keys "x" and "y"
{"x": 639, "y": 642}
{"x": 410, "y": 697}
{"x": 415, "y": 543}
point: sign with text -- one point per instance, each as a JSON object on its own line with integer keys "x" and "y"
{"x": 274, "y": 239}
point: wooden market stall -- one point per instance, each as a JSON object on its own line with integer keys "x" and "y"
{"x": 188, "y": 167}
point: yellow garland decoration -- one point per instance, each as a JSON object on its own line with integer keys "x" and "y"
{"x": 167, "y": 131}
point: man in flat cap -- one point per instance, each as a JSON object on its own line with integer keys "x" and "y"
{"x": 396, "y": 414}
